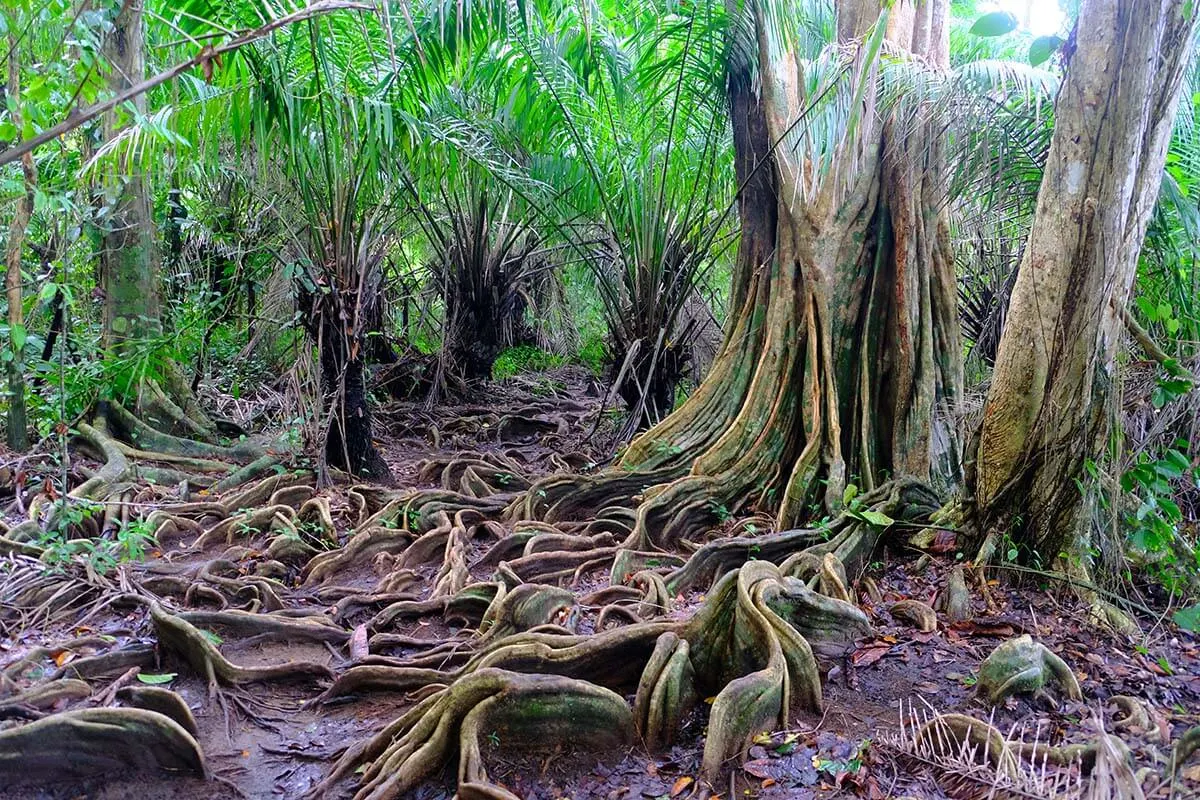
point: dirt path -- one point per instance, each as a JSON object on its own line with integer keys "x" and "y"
{"x": 354, "y": 578}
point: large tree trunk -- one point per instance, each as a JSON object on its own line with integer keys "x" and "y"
{"x": 845, "y": 341}
{"x": 128, "y": 263}
{"x": 18, "y": 423}
{"x": 1045, "y": 413}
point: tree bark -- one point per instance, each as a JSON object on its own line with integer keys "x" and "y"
{"x": 846, "y": 338}
{"x": 18, "y": 423}
{"x": 129, "y": 274}
{"x": 1045, "y": 413}
{"x": 349, "y": 445}
{"x": 344, "y": 322}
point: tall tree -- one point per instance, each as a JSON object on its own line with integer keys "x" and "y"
{"x": 130, "y": 275}
{"x": 336, "y": 150}
{"x": 1046, "y": 411}
{"x": 18, "y": 434}
{"x": 128, "y": 263}
{"x": 844, "y": 337}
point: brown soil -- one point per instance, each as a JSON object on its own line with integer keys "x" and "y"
{"x": 272, "y": 740}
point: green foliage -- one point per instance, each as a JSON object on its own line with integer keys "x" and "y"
{"x": 524, "y": 358}
{"x": 349, "y": 142}
{"x": 1154, "y": 521}
{"x": 592, "y": 354}
{"x": 997, "y": 23}
{"x": 1043, "y": 47}
{"x": 855, "y": 509}
{"x": 128, "y": 543}
{"x": 1188, "y": 618}
{"x": 157, "y": 679}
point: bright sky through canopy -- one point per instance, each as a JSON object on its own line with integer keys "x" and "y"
{"x": 1042, "y": 17}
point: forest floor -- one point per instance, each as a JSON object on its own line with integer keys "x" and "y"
{"x": 274, "y": 739}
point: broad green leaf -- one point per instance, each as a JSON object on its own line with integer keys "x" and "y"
{"x": 877, "y": 518}
{"x": 1170, "y": 510}
{"x": 850, "y": 493}
{"x": 47, "y": 292}
{"x": 18, "y": 337}
{"x": 1188, "y": 618}
{"x": 1042, "y": 48}
{"x": 154, "y": 680}
{"x": 996, "y": 23}
{"x": 1178, "y": 460}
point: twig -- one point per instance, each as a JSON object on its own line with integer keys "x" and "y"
{"x": 1145, "y": 340}
{"x": 107, "y": 696}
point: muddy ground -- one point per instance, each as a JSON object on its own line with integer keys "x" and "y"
{"x": 275, "y": 739}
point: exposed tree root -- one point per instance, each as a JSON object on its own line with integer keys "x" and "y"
{"x": 523, "y": 655}
{"x": 161, "y": 701}
{"x": 749, "y": 645}
{"x": 96, "y": 741}
{"x": 190, "y": 643}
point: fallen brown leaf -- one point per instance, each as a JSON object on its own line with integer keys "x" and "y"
{"x": 869, "y": 655}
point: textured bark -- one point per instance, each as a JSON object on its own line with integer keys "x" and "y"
{"x": 18, "y": 434}
{"x": 846, "y": 339}
{"x": 340, "y": 323}
{"x": 349, "y": 445}
{"x": 1045, "y": 413}
{"x": 128, "y": 263}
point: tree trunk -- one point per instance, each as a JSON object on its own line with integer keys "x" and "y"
{"x": 128, "y": 264}
{"x": 846, "y": 337}
{"x": 18, "y": 423}
{"x": 345, "y": 323}
{"x": 1045, "y": 413}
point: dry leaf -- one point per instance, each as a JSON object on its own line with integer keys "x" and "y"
{"x": 868, "y": 656}
{"x": 681, "y": 785}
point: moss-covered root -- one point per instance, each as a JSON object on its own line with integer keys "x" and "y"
{"x": 751, "y": 642}
{"x": 955, "y": 601}
{"x": 190, "y": 643}
{"x": 666, "y": 692}
{"x": 1023, "y": 666}
{"x": 91, "y": 742}
{"x": 958, "y": 737}
{"x": 161, "y": 701}
{"x": 526, "y": 606}
{"x": 520, "y": 710}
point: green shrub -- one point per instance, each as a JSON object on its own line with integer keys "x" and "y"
{"x": 524, "y": 358}
{"x": 593, "y": 354}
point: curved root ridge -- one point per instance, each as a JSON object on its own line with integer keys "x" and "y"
{"x": 498, "y": 558}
